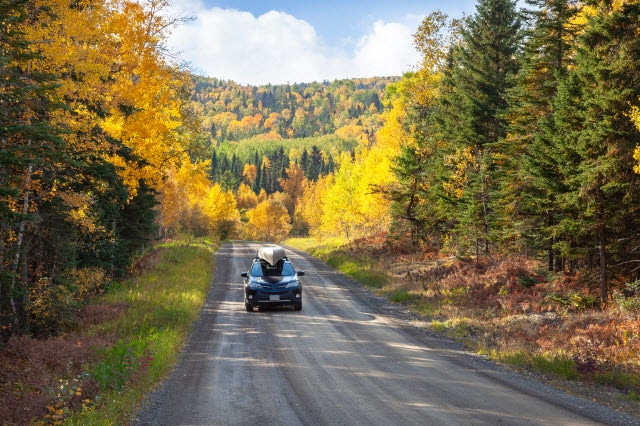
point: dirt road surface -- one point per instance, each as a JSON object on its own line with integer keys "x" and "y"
{"x": 348, "y": 358}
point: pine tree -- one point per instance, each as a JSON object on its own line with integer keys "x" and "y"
{"x": 304, "y": 162}
{"x": 471, "y": 115}
{"x": 214, "y": 165}
{"x": 604, "y": 191}
{"x": 257, "y": 184}
{"x": 532, "y": 160}
{"x": 314, "y": 167}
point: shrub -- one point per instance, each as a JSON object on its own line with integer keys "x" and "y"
{"x": 51, "y": 308}
{"x": 575, "y": 300}
{"x": 87, "y": 282}
{"x": 629, "y": 300}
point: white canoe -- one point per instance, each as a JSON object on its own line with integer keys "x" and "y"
{"x": 271, "y": 254}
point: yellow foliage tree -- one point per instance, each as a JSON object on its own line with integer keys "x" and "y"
{"x": 219, "y": 209}
{"x": 272, "y": 121}
{"x": 352, "y": 131}
{"x": 245, "y": 197}
{"x": 146, "y": 112}
{"x": 173, "y": 211}
{"x": 189, "y": 202}
{"x": 293, "y": 186}
{"x": 353, "y": 204}
{"x": 249, "y": 173}
{"x": 311, "y": 205}
{"x": 352, "y": 207}
{"x": 269, "y": 221}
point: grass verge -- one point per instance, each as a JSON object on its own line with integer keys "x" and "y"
{"x": 161, "y": 305}
{"x": 361, "y": 269}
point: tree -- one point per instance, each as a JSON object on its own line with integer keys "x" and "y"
{"x": 311, "y": 205}
{"x": 148, "y": 94}
{"x": 29, "y": 142}
{"x": 409, "y": 124}
{"x": 315, "y": 164}
{"x": 293, "y": 185}
{"x": 246, "y": 198}
{"x": 269, "y": 221}
{"x": 603, "y": 191}
{"x": 471, "y": 114}
{"x": 532, "y": 149}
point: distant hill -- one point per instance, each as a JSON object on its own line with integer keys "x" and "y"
{"x": 231, "y": 112}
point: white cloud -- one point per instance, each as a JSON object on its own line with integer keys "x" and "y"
{"x": 386, "y": 50}
{"x": 278, "y": 48}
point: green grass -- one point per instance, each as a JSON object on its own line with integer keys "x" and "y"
{"x": 427, "y": 307}
{"x": 458, "y": 329}
{"x": 361, "y": 269}
{"x": 621, "y": 380}
{"x": 162, "y": 305}
{"x": 401, "y": 296}
{"x": 315, "y": 247}
{"x": 552, "y": 364}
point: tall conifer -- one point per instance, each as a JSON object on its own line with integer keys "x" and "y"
{"x": 604, "y": 191}
{"x": 533, "y": 161}
{"x": 472, "y": 111}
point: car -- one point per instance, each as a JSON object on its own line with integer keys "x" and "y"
{"x": 272, "y": 281}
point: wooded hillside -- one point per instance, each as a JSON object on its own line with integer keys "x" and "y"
{"x": 231, "y": 112}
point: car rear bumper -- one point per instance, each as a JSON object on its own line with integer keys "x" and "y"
{"x": 260, "y": 298}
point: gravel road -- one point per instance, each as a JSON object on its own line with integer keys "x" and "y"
{"x": 348, "y": 358}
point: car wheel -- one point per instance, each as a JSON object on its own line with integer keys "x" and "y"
{"x": 297, "y": 306}
{"x": 248, "y": 307}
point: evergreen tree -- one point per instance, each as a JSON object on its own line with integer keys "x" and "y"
{"x": 533, "y": 162}
{"x": 304, "y": 162}
{"x": 263, "y": 178}
{"x": 214, "y": 165}
{"x": 604, "y": 191}
{"x": 314, "y": 167}
{"x": 257, "y": 184}
{"x": 481, "y": 69}
{"x": 30, "y": 146}
{"x": 330, "y": 166}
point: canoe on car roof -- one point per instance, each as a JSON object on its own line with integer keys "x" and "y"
{"x": 271, "y": 254}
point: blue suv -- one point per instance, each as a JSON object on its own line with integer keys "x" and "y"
{"x": 272, "y": 281}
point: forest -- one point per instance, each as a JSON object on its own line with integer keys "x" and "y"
{"x": 517, "y": 134}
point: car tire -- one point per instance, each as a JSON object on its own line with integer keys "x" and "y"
{"x": 297, "y": 307}
{"x": 248, "y": 307}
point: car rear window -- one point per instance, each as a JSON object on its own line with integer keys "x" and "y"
{"x": 264, "y": 269}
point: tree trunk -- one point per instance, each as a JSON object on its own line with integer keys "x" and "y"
{"x": 603, "y": 265}
{"x": 114, "y": 240}
{"x": 19, "y": 239}
{"x": 2, "y": 253}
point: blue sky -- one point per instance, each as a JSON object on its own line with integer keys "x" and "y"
{"x": 289, "y": 41}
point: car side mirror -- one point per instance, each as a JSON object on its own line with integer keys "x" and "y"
{"x": 300, "y": 273}
{"x": 244, "y": 275}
